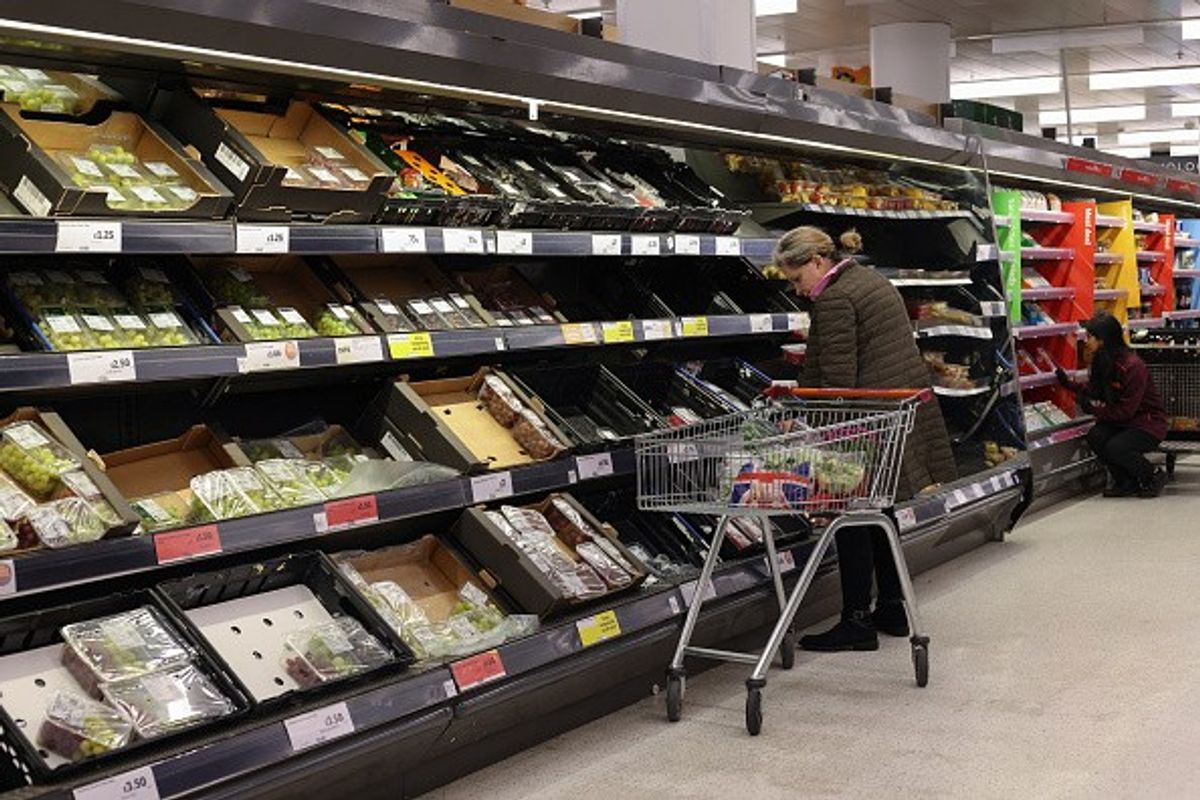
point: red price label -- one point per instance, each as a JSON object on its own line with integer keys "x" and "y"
{"x": 1090, "y": 167}
{"x": 351, "y": 511}
{"x": 190, "y": 543}
{"x": 1183, "y": 187}
{"x": 1145, "y": 179}
{"x": 477, "y": 670}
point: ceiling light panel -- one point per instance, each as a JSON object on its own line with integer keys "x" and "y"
{"x": 1143, "y": 78}
{"x": 1095, "y": 114}
{"x": 1191, "y": 29}
{"x": 1172, "y": 136}
{"x": 1009, "y": 87}
{"x": 766, "y": 8}
{"x": 1128, "y": 152}
{"x": 779, "y": 60}
{"x": 1063, "y": 40}
{"x": 1185, "y": 109}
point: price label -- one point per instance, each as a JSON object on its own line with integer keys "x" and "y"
{"x": 687, "y": 245}
{"x": 137, "y": 784}
{"x": 616, "y": 332}
{"x": 688, "y": 590}
{"x": 341, "y": 514}
{"x": 906, "y": 518}
{"x": 514, "y": 243}
{"x": 486, "y": 488}
{"x": 320, "y": 726}
{"x": 477, "y": 670}
{"x": 798, "y": 321}
{"x": 263, "y": 238}
{"x": 694, "y": 326}
{"x": 655, "y": 329}
{"x": 673, "y": 604}
{"x": 728, "y": 246}
{"x": 597, "y": 465}
{"x": 410, "y": 345}
{"x": 189, "y": 543}
{"x": 359, "y": 349}
{"x": 761, "y": 323}
{"x": 645, "y": 245}
{"x": 579, "y": 333}
{"x": 787, "y": 561}
{"x": 462, "y": 240}
{"x": 958, "y": 498}
{"x": 598, "y": 628}
{"x": 106, "y": 366}
{"x": 83, "y": 236}
{"x": 266, "y": 356}
{"x": 606, "y": 244}
{"x": 402, "y": 240}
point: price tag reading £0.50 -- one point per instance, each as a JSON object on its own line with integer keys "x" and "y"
{"x": 320, "y": 726}
{"x": 137, "y": 784}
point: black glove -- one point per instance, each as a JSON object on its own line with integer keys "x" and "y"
{"x": 1062, "y": 376}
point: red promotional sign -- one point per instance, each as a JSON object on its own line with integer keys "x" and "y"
{"x": 478, "y": 669}
{"x": 1183, "y": 187}
{"x": 1090, "y": 167}
{"x": 1137, "y": 178}
{"x": 351, "y": 511}
{"x": 189, "y": 543}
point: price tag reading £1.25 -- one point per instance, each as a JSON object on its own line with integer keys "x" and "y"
{"x": 263, "y": 238}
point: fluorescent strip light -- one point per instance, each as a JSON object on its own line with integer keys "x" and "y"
{"x": 778, "y": 60}
{"x": 1063, "y": 40}
{"x": 1185, "y": 109}
{"x": 1129, "y": 152}
{"x": 1143, "y": 78}
{"x": 1095, "y": 114}
{"x": 597, "y": 14}
{"x": 1185, "y": 150}
{"x": 1171, "y": 136}
{"x": 766, "y": 8}
{"x": 1191, "y": 29}
{"x": 1014, "y": 87}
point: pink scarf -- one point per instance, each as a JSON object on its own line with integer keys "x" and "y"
{"x": 823, "y": 284}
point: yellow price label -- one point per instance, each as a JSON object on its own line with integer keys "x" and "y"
{"x": 579, "y": 333}
{"x": 599, "y": 628}
{"x": 695, "y": 326}
{"x": 410, "y": 345}
{"x": 616, "y": 332}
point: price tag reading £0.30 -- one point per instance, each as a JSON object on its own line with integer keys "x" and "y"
{"x": 137, "y": 784}
{"x": 83, "y": 236}
{"x": 320, "y": 726}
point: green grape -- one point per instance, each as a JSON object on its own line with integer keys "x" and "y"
{"x": 329, "y": 325}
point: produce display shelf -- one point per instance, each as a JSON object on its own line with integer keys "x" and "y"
{"x": 1150, "y": 255}
{"x": 1047, "y": 253}
{"x": 822, "y": 208}
{"x": 1057, "y": 434}
{"x": 1152, "y": 290}
{"x": 1110, "y": 294}
{"x": 1184, "y": 242}
{"x": 1108, "y": 221}
{"x": 1149, "y": 227}
{"x": 948, "y": 391}
{"x": 1187, "y": 313}
{"x": 1108, "y": 258}
{"x": 1040, "y": 331}
{"x": 1186, "y": 273}
{"x": 899, "y": 282}
{"x": 1053, "y": 217}
{"x": 1147, "y": 323}
{"x": 39, "y": 371}
{"x": 1047, "y": 379}
{"x": 41, "y": 570}
{"x": 965, "y": 331}
{"x": 1047, "y": 292}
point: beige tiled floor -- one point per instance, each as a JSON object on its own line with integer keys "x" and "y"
{"x": 1066, "y": 664}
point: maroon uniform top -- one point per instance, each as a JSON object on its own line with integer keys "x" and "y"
{"x": 1136, "y": 404}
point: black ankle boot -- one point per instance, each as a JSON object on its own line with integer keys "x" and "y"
{"x": 854, "y": 632}
{"x": 1153, "y": 487}
{"x": 890, "y": 617}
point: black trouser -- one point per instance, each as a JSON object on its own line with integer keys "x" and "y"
{"x": 863, "y": 553}
{"x": 1122, "y": 451}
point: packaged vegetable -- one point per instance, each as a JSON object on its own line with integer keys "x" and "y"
{"x": 250, "y": 483}
{"x": 289, "y": 480}
{"x": 14, "y": 502}
{"x": 572, "y": 528}
{"x": 64, "y": 331}
{"x": 332, "y": 651}
{"x": 66, "y": 522}
{"x": 9, "y": 540}
{"x": 167, "y": 701}
{"x": 161, "y": 511}
{"x": 167, "y": 329}
{"x": 121, "y": 646}
{"x": 33, "y": 459}
{"x": 215, "y": 496}
{"x": 77, "y": 727}
{"x": 148, "y": 286}
{"x": 326, "y": 479}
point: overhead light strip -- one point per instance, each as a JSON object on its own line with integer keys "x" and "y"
{"x": 1143, "y": 78}
{"x": 1175, "y": 135}
{"x": 1008, "y": 87}
{"x": 1131, "y": 113}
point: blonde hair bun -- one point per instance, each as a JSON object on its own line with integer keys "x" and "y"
{"x": 851, "y": 242}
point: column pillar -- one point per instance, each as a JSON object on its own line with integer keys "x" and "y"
{"x": 718, "y": 32}
{"x": 912, "y": 58}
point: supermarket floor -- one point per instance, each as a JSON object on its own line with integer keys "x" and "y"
{"x": 1066, "y": 664}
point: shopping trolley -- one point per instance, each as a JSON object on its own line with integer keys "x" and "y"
{"x": 814, "y": 452}
{"x": 1173, "y": 359}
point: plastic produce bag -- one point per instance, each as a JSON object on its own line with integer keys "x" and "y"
{"x": 332, "y": 651}
{"x": 376, "y": 475}
{"x": 29, "y": 455}
{"x": 534, "y": 437}
{"x": 77, "y": 727}
{"x": 163, "y": 702}
{"x": 289, "y": 482}
{"x": 215, "y": 496}
{"x": 121, "y": 646}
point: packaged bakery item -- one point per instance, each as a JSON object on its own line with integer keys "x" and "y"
{"x": 502, "y": 404}
{"x": 77, "y": 727}
{"x": 332, "y": 651}
{"x": 29, "y": 455}
{"x": 572, "y": 528}
{"x": 162, "y": 702}
{"x": 532, "y": 434}
{"x": 121, "y": 646}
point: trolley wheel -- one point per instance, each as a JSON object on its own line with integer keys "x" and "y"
{"x": 787, "y": 650}
{"x": 754, "y": 710}
{"x": 920, "y": 657}
{"x": 674, "y": 697}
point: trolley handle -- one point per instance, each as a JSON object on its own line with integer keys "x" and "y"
{"x": 919, "y": 395}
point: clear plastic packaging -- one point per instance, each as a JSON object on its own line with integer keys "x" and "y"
{"x": 215, "y": 496}
{"x": 251, "y": 484}
{"x": 289, "y": 480}
{"x": 148, "y": 286}
{"x": 77, "y": 727}
{"x": 167, "y": 328}
{"x": 162, "y": 511}
{"x": 501, "y": 403}
{"x": 90, "y": 289}
{"x": 121, "y": 646}
{"x": 376, "y": 475}
{"x": 132, "y": 328}
{"x": 336, "y": 319}
{"x": 67, "y": 522}
{"x": 262, "y": 449}
{"x": 33, "y": 459}
{"x": 168, "y": 701}
{"x": 532, "y": 434}
{"x": 294, "y": 324}
{"x": 8, "y": 538}
{"x": 326, "y": 479}
{"x": 394, "y": 320}
{"x": 14, "y": 502}
{"x": 64, "y": 331}
{"x": 608, "y": 569}
{"x": 233, "y": 285}
{"x": 572, "y": 528}
{"x": 537, "y": 540}
{"x": 332, "y": 651}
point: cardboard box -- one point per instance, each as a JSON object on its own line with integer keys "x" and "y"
{"x": 170, "y": 465}
{"x": 30, "y": 173}
{"x": 444, "y": 421}
{"x": 509, "y": 568}
{"x": 57, "y": 427}
{"x": 333, "y": 440}
{"x": 251, "y": 151}
{"x": 520, "y": 13}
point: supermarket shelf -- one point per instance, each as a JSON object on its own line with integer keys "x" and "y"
{"x": 1186, "y": 273}
{"x": 1147, "y": 323}
{"x": 1054, "y": 217}
{"x": 847, "y": 211}
{"x": 1047, "y": 253}
{"x": 1056, "y": 434}
{"x": 946, "y": 391}
{"x": 1106, "y": 221}
{"x": 1152, "y": 290}
{"x": 1041, "y": 331}
{"x": 1150, "y": 255}
{"x": 1149, "y": 227}
{"x": 1047, "y": 292}
{"x": 965, "y": 331}
{"x": 1047, "y": 379}
{"x": 40, "y": 371}
{"x": 1187, "y": 313}
{"x": 901, "y": 282}
{"x": 1184, "y": 242}
{"x": 1110, "y": 294}
{"x": 1108, "y": 258}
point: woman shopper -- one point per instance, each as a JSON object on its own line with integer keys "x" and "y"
{"x": 1131, "y": 419}
{"x": 861, "y": 338}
